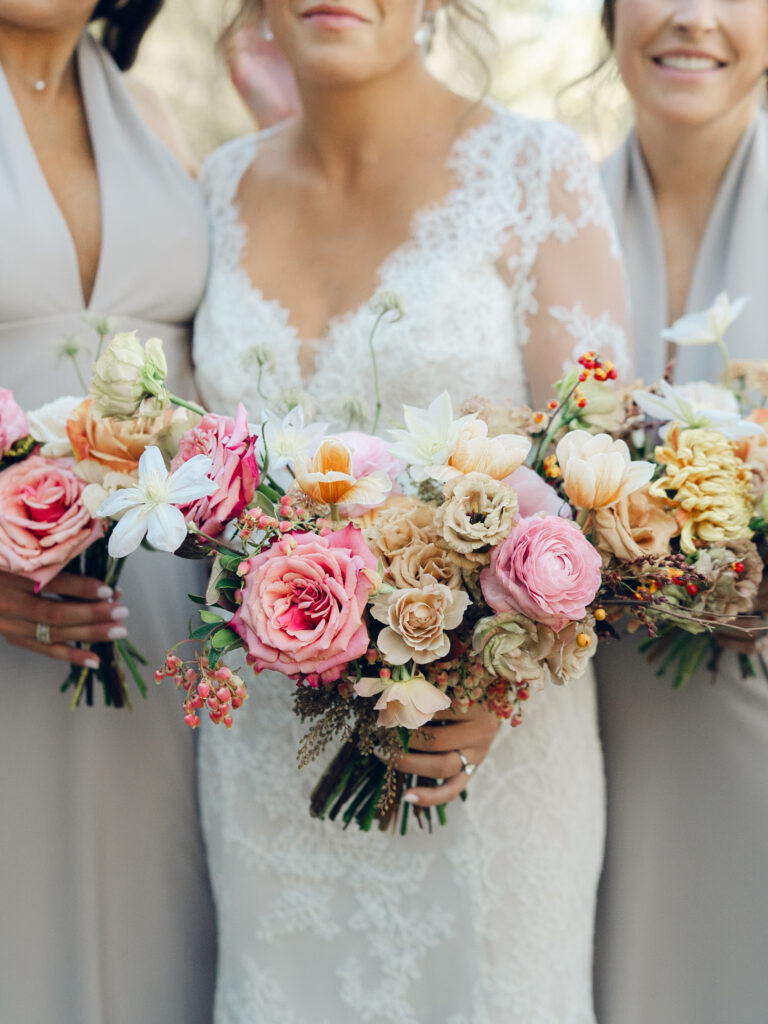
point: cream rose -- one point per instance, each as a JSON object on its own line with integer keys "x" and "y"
{"x": 638, "y": 526}
{"x": 417, "y": 620}
{"x": 513, "y": 647}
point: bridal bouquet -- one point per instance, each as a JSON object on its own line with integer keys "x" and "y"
{"x": 476, "y": 587}
{"x": 61, "y": 462}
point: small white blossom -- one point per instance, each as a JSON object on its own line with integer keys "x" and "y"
{"x": 287, "y": 438}
{"x": 707, "y": 327}
{"x": 430, "y": 436}
{"x": 150, "y": 508}
{"x": 680, "y": 405}
{"x": 48, "y": 425}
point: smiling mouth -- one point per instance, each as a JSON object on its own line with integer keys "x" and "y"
{"x": 687, "y": 62}
{"x": 331, "y": 12}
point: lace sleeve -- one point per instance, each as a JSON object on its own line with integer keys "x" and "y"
{"x": 568, "y": 279}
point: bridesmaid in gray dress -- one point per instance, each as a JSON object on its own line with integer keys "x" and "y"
{"x": 683, "y": 935}
{"x": 105, "y": 914}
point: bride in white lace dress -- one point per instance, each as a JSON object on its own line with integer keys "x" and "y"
{"x": 493, "y": 231}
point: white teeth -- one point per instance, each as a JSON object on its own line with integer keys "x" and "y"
{"x": 688, "y": 63}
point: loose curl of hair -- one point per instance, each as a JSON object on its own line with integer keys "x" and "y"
{"x": 125, "y": 22}
{"x": 465, "y": 21}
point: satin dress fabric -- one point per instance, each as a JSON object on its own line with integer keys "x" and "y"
{"x": 105, "y": 906}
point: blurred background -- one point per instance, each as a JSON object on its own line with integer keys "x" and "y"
{"x": 543, "y": 64}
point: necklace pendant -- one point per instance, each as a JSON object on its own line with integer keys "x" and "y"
{"x": 40, "y": 85}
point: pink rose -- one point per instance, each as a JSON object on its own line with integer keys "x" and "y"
{"x": 535, "y": 495}
{"x": 13, "y": 422}
{"x": 303, "y": 601}
{"x": 233, "y": 450}
{"x": 43, "y": 522}
{"x": 545, "y": 569}
{"x": 370, "y": 454}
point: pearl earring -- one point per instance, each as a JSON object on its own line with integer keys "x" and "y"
{"x": 425, "y": 33}
{"x": 266, "y": 31}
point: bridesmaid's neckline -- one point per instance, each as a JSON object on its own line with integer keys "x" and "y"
{"x": 88, "y": 107}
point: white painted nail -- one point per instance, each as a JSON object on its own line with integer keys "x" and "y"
{"x": 411, "y": 798}
{"x": 105, "y": 593}
{"x": 117, "y": 633}
{"x": 91, "y": 662}
{"x": 121, "y": 612}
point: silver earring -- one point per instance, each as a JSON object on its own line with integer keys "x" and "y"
{"x": 266, "y": 31}
{"x": 425, "y": 33}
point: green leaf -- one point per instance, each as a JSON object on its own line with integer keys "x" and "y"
{"x": 200, "y": 633}
{"x": 196, "y": 599}
{"x": 230, "y": 563}
{"x": 223, "y": 638}
{"x": 130, "y": 664}
{"x": 261, "y": 501}
{"x": 210, "y": 617}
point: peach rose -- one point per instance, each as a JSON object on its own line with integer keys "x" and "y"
{"x": 417, "y": 621}
{"x": 103, "y": 444}
{"x": 43, "y": 521}
{"x": 303, "y": 601}
{"x": 637, "y": 526}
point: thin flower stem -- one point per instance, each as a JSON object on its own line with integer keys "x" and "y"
{"x": 80, "y": 377}
{"x": 377, "y": 392}
{"x": 175, "y": 400}
{"x": 218, "y": 544}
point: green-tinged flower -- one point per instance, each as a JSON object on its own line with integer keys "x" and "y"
{"x": 386, "y": 302}
{"x": 513, "y": 647}
{"x": 130, "y": 378}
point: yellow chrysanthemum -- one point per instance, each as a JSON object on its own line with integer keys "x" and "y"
{"x": 707, "y": 484}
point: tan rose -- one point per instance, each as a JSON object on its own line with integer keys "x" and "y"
{"x": 478, "y": 514}
{"x": 104, "y": 444}
{"x": 409, "y": 567}
{"x": 573, "y": 649}
{"x": 395, "y": 526}
{"x": 637, "y": 526}
{"x": 417, "y": 621}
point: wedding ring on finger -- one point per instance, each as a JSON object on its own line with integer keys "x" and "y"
{"x": 42, "y": 633}
{"x": 466, "y": 766}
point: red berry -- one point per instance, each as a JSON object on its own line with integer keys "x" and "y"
{"x": 738, "y": 567}
{"x": 692, "y": 589}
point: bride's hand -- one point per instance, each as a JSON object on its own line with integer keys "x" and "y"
{"x": 93, "y": 617}
{"x": 436, "y": 755}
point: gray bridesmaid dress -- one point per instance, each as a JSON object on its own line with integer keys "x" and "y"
{"x": 683, "y": 919}
{"x": 105, "y": 912}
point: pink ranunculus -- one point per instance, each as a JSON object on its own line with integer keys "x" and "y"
{"x": 233, "y": 450}
{"x": 545, "y": 569}
{"x": 535, "y": 495}
{"x": 13, "y": 422}
{"x": 43, "y": 521}
{"x": 303, "y": 601}
{"x": 370, "y": 454}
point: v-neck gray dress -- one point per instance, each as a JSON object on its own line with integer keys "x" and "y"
{"x": 683, "y": 917}
{"x": 105, "y": 914}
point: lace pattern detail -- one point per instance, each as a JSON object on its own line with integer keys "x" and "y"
{"x": 489, "y": 920}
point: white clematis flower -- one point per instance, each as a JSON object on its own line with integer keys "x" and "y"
{"x": 707, "y": 327}
{"x": 288, "y": 438}
{"x": 430, "y": 437}
{"x": 682, "y": 405}
{"x": 48, "y": 426}
{"x": 150, "y": 508}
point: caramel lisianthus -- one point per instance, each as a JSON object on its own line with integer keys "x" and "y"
{"x": 105, "y": 444}
{"x": 707, "y": 484}
{"x": 476, "y": 452}
{"x": 572, "y": 651}
{"x": 328, "y": 477}
{"x": 638, "y": 526}
{"x": 737, "y": 571}
{"x": 477, "y": 514}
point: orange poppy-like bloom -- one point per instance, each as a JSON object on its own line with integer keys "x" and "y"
{"x": 328, "y": 477}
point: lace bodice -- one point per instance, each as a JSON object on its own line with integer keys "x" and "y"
{"x": 490, "y": 921}
{"x": 521, "y": 251}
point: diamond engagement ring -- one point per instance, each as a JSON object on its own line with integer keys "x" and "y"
{"x": 43, "y": 633}
{"x": 466, "y": 766}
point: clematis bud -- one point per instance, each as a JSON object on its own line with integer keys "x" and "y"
{"x": 129, "y": 378}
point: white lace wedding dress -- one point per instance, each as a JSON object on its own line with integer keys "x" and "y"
{"x": 489, "y": 919}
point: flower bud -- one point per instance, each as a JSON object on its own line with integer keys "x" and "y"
{"x": 129, "y": 378}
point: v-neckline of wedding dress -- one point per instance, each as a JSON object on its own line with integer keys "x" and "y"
{"x": 421, "y": 220}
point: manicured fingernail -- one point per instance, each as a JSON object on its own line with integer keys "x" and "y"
{"x": 105, "y": 593}
{"x": 411, "y": 798}
{"x": 121, "y": 612}
{"x": 117, "y": 633}
{"x": 91, "y": 663}
{"x": 379, "y": 752}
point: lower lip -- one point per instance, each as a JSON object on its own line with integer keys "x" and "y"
{"x": 687, "y": 74}
{"x": 332, "y": 21}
